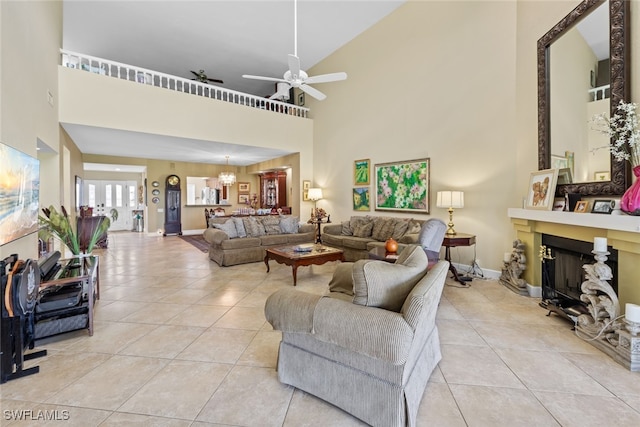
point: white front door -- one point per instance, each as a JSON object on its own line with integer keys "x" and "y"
{"x": 114, "y": 199}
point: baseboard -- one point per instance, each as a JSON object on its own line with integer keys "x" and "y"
{"x": 534, "y": 291}
{"x": 192, "y": 232}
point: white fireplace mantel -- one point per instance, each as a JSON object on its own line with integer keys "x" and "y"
{"x": 620, "y": 222}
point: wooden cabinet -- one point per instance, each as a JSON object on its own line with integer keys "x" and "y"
{"x": 273, "y": 190}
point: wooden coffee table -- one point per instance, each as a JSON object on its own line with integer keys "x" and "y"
{"x": 288, "y": 255}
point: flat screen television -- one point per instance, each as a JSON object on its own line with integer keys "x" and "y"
{"x": 19, "y": 194}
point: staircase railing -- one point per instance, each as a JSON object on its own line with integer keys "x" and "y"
{"x": 140, "y": 75}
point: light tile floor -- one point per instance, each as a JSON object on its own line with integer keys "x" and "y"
{"x": 180, "y": 341}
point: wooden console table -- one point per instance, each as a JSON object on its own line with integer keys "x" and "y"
{"x": 451, "y": 241}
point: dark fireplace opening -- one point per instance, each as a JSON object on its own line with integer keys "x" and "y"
{"x": 563, "y": 275}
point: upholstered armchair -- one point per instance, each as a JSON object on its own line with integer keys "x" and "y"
{"x": 370, "y": 353}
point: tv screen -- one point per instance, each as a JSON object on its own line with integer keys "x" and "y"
{"x": 19, "y": 194}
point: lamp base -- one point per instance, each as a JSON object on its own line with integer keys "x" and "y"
{"x": 450, "y": 230}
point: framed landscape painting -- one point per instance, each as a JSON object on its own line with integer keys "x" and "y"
{"x": 403, "y": 186}
{"x": 361, "y": 199}
{"x": 361, "y": 172}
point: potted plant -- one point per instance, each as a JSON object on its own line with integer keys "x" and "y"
{"x": 59, "y": 225}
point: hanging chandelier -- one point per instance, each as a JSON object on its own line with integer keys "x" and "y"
{"x": 227, "y": 177}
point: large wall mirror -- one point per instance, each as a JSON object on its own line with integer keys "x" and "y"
{"x": 583, "y": 69}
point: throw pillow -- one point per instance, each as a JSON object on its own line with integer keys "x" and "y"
{"x": 253, "y": 227}
{"x": 400, "y": 228}
{"x": 414, "y": 227}
{"x": 239, "y": 227}
{"x": 356, "y": 221}
{"x": 342, "y": 279}
{"x": 363, "y": 230}
{"x": 346, "y": 229}
{"x": 271, "y": 224}
{"x": 382, "y": 228}
{"x": 228, "y": 227}
{"x": 385, "y": 285}
{"x": 289, "y": 224}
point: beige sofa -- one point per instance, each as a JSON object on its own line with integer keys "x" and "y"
{"x": 240, "y": 240}
{"x": 361, "y": 233}
{"x": 370, "y": 353}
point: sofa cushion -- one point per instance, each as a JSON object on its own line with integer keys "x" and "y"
{"x": 289, "y": 224}
{"x": 382, "y": 228}
{"x": 228, "y": 227}
{"x": 274, "y": 239}
{"x": 332, "y": 239}
{"x": 247, "y": 242}
{"x": 363, "y": 229}
{"x": 271, "y": 224}
{"x": 385, "y": 285}
{"x": 356, "y": 242}
{"x": 253, "y": 227}
{"x": 356, "y": 221}
{"x": 239, "y": 227}
{"x": 346, "y": 229}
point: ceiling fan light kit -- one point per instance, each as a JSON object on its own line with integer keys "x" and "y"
{"x": 295, "y": 77}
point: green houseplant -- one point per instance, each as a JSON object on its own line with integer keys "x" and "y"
{"x": 59, "y": 225}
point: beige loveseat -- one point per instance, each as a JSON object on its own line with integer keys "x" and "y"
{"x": 370, "y": 353}
{"x": 240, "y": 240}
{"x": 361, "y": 233}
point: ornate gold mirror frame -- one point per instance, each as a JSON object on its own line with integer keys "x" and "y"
{"x": 619, "y": 55}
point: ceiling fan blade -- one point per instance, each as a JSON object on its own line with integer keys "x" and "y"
{"x": 313, "y": 92}
{"x": 294, "y": 66}
{"x": 326, "y": 78}
{"x": 216, "y": 81}
{"x": 269, "y": 79}
{"x": 195, "y": 74}
{"x": 283, "y": 91}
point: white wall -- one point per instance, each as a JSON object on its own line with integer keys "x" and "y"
{"x": 437, "y": 80}
{"x": 31, "y": 36}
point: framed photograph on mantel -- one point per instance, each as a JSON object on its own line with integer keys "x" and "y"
{"x": 542, "y": 187}
{"x": 403, "y": 186}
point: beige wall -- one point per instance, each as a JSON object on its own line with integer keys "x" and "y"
{"x": 30, "y": 39}
{"x": 437, "y": 80}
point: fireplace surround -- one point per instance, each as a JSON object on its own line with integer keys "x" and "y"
{"x": 621, "y": 231}
{"x": 563, "y": 273}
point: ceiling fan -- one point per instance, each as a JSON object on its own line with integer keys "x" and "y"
{"x": 295, "y": 77}
{"x": 202, "y": 77}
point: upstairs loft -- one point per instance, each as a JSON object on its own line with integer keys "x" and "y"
{"x": 113, "y": 69}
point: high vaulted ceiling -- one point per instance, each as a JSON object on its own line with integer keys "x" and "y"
{"x": 226, "y": 38}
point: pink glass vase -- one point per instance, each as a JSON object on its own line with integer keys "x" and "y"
{"x": 630, "y": 202}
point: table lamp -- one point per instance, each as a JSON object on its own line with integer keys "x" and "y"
{"x": 450, "y": 199}
{"x": 315, "y": 194}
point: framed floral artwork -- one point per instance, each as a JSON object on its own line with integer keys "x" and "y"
{"x": 361, "y": 172}
{"x": 403, "y": 186}
{"x": 361, "y": 199}
{"x": 542, "y": 187}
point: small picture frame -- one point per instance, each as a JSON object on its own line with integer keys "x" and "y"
{"x": 361, "y": 199}
{"x": 305, "y": 190}
{"x": 542, "y": 188}
{"x": 361, "y": 172}
{"x": 559, "y": 204}
{"x": 244, "y": 187}
{"x": 603, "y": 206}
{"x": 581, "y": 206}
{"x": 243, "y": 199}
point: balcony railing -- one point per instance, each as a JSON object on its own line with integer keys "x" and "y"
{"x": 132, "y": 73}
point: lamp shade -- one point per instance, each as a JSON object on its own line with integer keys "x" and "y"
{"x": 450, "y": 199}
{"x": 315, "y": 193}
